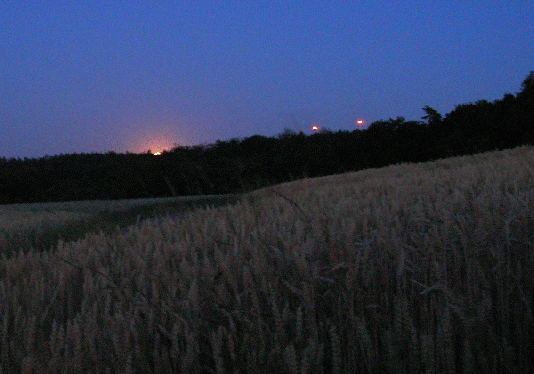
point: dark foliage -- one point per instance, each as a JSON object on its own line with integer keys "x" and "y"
{"x": 238, "y": 165}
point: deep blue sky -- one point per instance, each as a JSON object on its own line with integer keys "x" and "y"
{"x": 98, "y": 76}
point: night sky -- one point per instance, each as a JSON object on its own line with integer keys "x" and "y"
{"x": 99, "y": 76}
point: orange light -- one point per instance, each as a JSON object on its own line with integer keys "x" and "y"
{"x": 154, "y": 145}
{"x": 360, "y": 122}
{"x": 315, "y": 128}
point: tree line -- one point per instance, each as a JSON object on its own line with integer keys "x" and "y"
{"x": 238, "y": 165}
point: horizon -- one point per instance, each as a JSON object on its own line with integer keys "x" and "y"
{"x": 125, "y": 78}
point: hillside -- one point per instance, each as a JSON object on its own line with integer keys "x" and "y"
{"x": 409, "y": 268}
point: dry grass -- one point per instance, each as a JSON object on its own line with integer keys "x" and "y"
{"x": 12, "y": 220}
{"x": 26, "y": 229}
{"x": 41, "y": 225}
{"x": 412, "y": 268}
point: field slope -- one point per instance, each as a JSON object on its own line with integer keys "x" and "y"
{"x": 40, "y": 225}
{"x": 411, "y": 268}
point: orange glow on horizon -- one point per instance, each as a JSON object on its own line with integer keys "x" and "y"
{"x": 154, "y": 144}
{"x": 315, "y": 128}
{"x": 360, "y": 122}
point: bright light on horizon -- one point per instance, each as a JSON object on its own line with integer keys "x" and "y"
{"x": 154, "y": 143}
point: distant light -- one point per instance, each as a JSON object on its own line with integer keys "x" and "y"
{"x": 152, "y": 142}
{"x": 360, "y": 122}
{"x": 315, "y": 128}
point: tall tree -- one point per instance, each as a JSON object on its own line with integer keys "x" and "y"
{"x": 527, "y": 88}
{"x": 432, "y": 116}
{"x": 525, "y": 104}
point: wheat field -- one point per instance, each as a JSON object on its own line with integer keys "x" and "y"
{"x": 41, "y": 225}
{"x": 413, "y": 268}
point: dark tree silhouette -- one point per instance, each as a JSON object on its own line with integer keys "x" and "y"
{"x": 525, "y": 109}
{"x": 527, "y": 88}
{"x": 238, "y": 165}
{"x": 432, "y": 116}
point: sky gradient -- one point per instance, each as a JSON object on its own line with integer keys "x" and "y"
{"x": 128, "y": 76}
